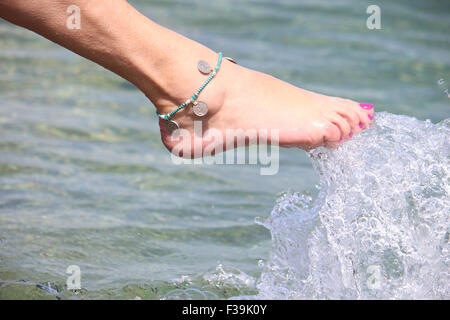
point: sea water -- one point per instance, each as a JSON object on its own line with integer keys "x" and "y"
{"x": 85, "y": 180}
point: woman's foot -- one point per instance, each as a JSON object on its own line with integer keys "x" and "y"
{"x": 239, "y": 98}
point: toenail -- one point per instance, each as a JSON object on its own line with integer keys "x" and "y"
{"x": 350, "y": 135}
{"x": 366, "y": 106}
{"x": 360, "y": 125}
{"x": 370, "y": 117}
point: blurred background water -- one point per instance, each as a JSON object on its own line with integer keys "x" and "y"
{"x": 85, "y": 180}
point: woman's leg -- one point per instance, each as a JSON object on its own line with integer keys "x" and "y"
{"x": 163, "y": 64}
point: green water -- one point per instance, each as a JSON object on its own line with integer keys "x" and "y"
{"x": 85, "y": 180}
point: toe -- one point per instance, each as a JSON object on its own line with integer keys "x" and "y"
{"x": 360, "y": 115}
{"x": 332, "y": 133}
{"x": 351, "y": 116}
{"x": 366, "y": 113}
{"x": 343, "y": 125}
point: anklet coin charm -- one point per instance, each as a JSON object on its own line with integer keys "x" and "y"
{"x": 172, "y": 125}
{"x": 200, "y": 108}
{"x": 204, "y": 67}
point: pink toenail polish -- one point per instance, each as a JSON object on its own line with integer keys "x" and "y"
{"x": 370, "y": 116}
{"x": 350, "y": 135}
{"x": 366, "y": 106}
{"x": 340, "y": 140}
{"x": 360, "y": 125}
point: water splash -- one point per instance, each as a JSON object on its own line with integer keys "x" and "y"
{"x": 379, "y": 228}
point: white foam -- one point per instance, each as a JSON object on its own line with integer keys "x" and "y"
{"x": 379, "y": 227}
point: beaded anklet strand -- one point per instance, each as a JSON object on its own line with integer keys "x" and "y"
{"x": 202, "y": 107}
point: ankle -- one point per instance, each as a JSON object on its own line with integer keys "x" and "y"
{"x": 184, "y": 87}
